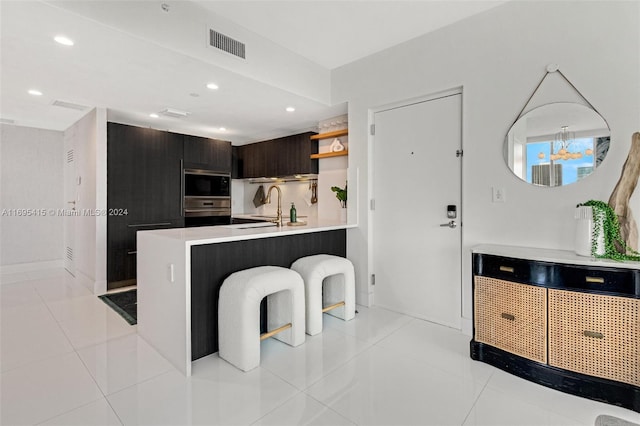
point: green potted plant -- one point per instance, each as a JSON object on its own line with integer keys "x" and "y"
{"x": 341, "y": 194}
{"x": 614, "y": 246}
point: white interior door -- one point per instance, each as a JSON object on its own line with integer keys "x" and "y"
{"x": 70, "y": 201}
{"x": 416, "y": 175}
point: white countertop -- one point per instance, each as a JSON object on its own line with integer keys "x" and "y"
{"x": 225, "y": 233}
{"x": 550, "y": 255}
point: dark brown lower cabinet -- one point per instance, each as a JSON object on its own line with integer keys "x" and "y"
{"x": 143, "y": 192}
{"x": 122, "y": 250}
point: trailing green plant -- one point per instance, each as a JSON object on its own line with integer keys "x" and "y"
{"x": 605, "y": 217}
{"x": 341, "y": 194}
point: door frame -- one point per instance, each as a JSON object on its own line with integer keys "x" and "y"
{"x": 458, "y": 90}
{"x": 70, "y": 190}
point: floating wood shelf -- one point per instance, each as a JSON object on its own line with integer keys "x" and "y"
{"x": 330, "y": 154}
{"x": 328, "y": 135}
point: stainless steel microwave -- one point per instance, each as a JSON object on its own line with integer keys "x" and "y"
{"x": 205, "y": 183}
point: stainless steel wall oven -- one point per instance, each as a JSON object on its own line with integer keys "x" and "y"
{"x": 207, "y": 197}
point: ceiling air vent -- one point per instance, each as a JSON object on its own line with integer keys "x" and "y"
{"x": 172, "y": 112}
{"x": 226, "y": 43}
{"x": 7, "y": 121}
{"x": 70, "y": 105}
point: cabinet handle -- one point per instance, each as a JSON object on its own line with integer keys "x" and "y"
{"x": 595, "y": 280}
{"x": 507, "y": 269}
{"x": 594, "y": 334}
{"x": 509, "y": 317}
{"x": 182, "y": 189}
{"x": 141, "y": 225}
{"x": 132, "y": 252}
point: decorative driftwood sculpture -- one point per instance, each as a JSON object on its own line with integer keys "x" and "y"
{"x": 619, "y": 200}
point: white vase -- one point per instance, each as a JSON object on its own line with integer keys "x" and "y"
{"x": 343, "y": 215}
{"x": 584, "y": 232}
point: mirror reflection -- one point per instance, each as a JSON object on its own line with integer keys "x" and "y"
{"x": 557, "y": 144}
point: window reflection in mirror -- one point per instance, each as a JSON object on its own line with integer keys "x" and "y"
{"x": 557, "y": 144}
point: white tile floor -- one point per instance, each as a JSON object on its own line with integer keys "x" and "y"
{"x": 67, "y": 359}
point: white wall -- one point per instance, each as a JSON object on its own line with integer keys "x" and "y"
{"x": 89, "y": 136}
{"x": 498, "y": 58}
{"x": 31, "y": 177}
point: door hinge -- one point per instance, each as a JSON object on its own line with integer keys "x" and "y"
{"x": 373, "y": 279}
{"x": 459, "y": 153}
{"x": 372, "y": 129}
{"x": 372, "y": 204}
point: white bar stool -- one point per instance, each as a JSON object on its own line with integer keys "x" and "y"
{"x": 330, "y": 287}
{"x": 239, "y": 312}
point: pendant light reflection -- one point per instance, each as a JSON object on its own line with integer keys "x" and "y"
{"x": 564, "y": 139}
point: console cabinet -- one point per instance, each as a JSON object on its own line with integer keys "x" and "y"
{"x": 564, "y": 321}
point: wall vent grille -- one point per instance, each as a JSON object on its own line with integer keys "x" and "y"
{"x": 226, "y": 43}
{"x": 70, "y": 105}
{"x": 70, "y": 156}
{"x": 69, "y": 253}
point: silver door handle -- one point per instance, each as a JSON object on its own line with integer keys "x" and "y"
{"x": 450, "y": 224}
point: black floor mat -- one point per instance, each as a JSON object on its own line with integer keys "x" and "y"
{"x": 124, "y": 303}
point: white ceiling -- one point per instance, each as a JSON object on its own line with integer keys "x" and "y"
{"x": 333, "y": 33}
{"x": 128, "y": 58}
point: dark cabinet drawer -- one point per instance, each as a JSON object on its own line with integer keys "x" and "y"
{"x": 512, "y": 269}
{"x": 606, "y": 280}
{"x": 600, "y": 279}
{"x": 121, "y": 247}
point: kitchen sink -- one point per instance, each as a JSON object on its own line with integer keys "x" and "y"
{"x": 250, "y": 225}
{"x": 258, "y": 216}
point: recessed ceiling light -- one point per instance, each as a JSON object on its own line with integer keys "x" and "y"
{"x": 290, "y": 109}
{"x": 212, "y": 86}
{"x": 35, "y": 92}
{"x": 223, "y": 129}
{"x": 63, "y": 40}
{"x": 154, "y": 115}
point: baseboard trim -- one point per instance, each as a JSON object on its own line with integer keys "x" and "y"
{"x": 364, "y": 299}
{"x": 467, "y": 326}
{"x": 32, "y": 266}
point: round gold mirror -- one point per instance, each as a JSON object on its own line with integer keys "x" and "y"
{"x": 557, "y": 144}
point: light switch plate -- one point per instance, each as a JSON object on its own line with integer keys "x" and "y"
{"x": 499, "y": 195}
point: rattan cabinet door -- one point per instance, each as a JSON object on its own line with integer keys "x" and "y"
{"x": 595, "y": 335}
{"x": 511, "y": 316}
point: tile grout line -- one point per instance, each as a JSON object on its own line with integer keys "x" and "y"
{"x": 44, "y": 303}
{"x": 328, "y": 407}
{"x": 280, "y": 405}
{"x": 75, "y": 350}
{"x": 477, "y": 398}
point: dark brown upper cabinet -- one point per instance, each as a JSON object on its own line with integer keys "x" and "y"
{"x": 207, "y": 154}
{"x": 285, "y": 156}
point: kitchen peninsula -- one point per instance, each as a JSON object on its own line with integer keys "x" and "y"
{"x": 180, "y": 272}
